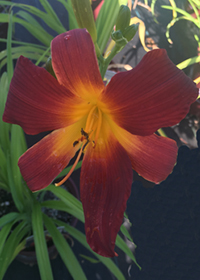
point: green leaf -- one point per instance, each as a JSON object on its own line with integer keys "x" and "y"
{"x": 125, "y": 232}
{"x": 195, "y": 10}
{"x": 123, "y": 2}
{"x": 9, "y": 57}
{"x": 40, "y": 244}
{"x": 37, "y": 32}
{"x": 17, "y": 148}
{"x": 53, "y": 22}
{"x": 170, "y": 24}
{"x": 4, "y": 127}
{"x": 6, "y": 226}
{"x": 18, "y": 249}
{"x": 123, "y": 246}
{"x": 33, "y": 56}
{"x": 80, "y": 237}
{"x": 197, "y": 3}
{"x": 4, "y": 232}
{"x": 24, "y": 44}
{"x": 106, "y": 21}
{"x": 73, "y": 203}
{"x": 184, "y": 13}
{"x": 42, "y": 57}
{"x": 61, "y": 206}
{"x": 17, "y": 195}
{"x": 50, "y": 11}
{"x": 9, "y": 250}
{"x": 188, "y": 62}
{"x": 3, "y": 185}
{"x": 72, "y": 19}
{"x": 22, "y": 49}
{"x": 8, "y": 218}
{"x": 65, "y": 251}
{"x": 58, "y": 205}
{"x": 27, "y": 17}
{"x": 92, "y": 260}
{"x": 152, "y": 10}
{"x": 3, "y": 170}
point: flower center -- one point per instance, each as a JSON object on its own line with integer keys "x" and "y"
{"x": 92, "y": 128}
{"x": 89, "y": 134}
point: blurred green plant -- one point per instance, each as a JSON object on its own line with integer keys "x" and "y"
{"x": 190, "y": 13}
{"x": 29, "y": 218}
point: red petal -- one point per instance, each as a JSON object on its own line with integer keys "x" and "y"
{"x": 106, "y": 178}
{"x": 37, "y": 102}
{"x": 153, "y": 157}
{"x": 154, "y": 94}
{"x": 75, "y": 64}
{"x": 41, "y": 163}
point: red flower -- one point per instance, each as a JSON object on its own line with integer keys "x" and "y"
{"x": 114, "y": 126}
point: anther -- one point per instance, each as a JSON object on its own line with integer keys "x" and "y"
{"x": 75, "y": 143}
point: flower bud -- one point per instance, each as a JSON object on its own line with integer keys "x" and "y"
{"x": 84, "y": 16}
{"x": 119, "y": 39}
{"x": 123, "y": 18}
{"x": 130, "y": 31}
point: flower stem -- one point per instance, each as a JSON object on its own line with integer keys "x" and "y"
{"x": 106, "y": 62}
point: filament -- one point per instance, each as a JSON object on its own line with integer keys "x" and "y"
{"x": 88, "y": 122}
{"x": 72, "y": 169}
{"x": 98, "y": 126}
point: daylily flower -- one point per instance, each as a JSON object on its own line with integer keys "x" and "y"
{"x": 112, "y": 125}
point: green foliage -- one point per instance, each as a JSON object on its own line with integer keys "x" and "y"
{"x": 179, "y": 15}
{"x": 106, "y": 21}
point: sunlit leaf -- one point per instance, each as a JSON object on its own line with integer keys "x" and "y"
{"x": 106, "y": 21}
{"x": 141, "y": 31}
{"x": 188, "y": 62}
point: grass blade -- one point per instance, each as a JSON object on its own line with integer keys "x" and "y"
{"x": 4, "y": 127}
{"x": 40, "y": 244}
{"x": 50, "y": 11}
{"x": 39, "y": 33}
{"x": 80, "y": 237}
{"x": 9, "y": 250}
{"x": 69, "y": 200}
{"x": 72, "y": 19}
{"x": 64, "y": 250}
{"x": 106, "y": 21}
{"x": 9, "y": 53}
{"x": 188, "y": 62}
{"x": 8, "y": 218}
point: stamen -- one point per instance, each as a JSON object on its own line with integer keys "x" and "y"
{"x": 72, "y": 169}
{"x": 98, "y": 127}
{"x": 75, "y": 143}
{"x": 89, "y": 122}
{"x": 85, "y": 134}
